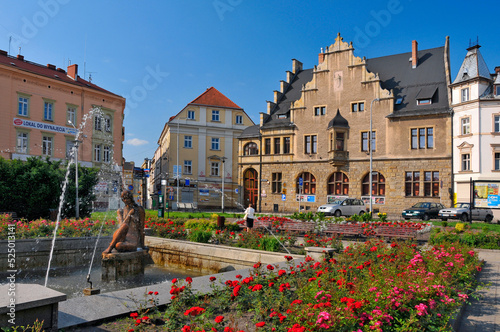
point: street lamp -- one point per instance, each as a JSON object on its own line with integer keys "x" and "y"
{"x": 77, "y": 202}
{"x": 177, "y": 174}
{"x": 223, "y": 172}
{"x": 370, "y": 137}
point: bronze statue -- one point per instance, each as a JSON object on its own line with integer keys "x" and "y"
{"x": 130, "y": 234}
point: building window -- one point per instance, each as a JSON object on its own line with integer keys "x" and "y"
{"x": 358, "y": 107}
{"x": 412, "y": 184}
{"x": 497, "y": 161}
{"x": 251, "y": 149}
{"x": 308, "y": 184}
{"x": 190, "y": 115}
{"x": 320, "y": 110}
{"x": 286, "y": 145}
{"x": 422, "y": 138}
{"x": 466, "y": 162}
{"x": 97, "y": 152}
{"x": 338, "y": 184}
{"x": 276, "y": 183}
{"x": 378, "y": 184}
{"x": 22, "y": 142}
{"x": 497, "y": 90}
{"x": 267, "y": 146}
{"x": 48, "y": 111}
{"x": 188, "y": 167}
{"x": 23, "y": 103}
{"x": 277, "y": 145}
{"x": 71, "y": 115}
{"x": 339, "y": 141}
{"x": 47, "y": 145}
{"x": 431, "y": 184}
{"x": 107, "y": 123}
{"x": 215, "y": 144}
{"x": 215, "y": 115}
{"x": 427, "y": 101}
{"x": 310, "y": 144}
{"x": 98, "y": 122}
{"x": 188, "y": 142}
{"x": 465, "y": 94}
{"x": 496, "y": 124}
{"x": 364, "y": 141}
{"x": 214, "y": 168}
{"x": 239, "y": 119}
{"x": 106, "y": 154}
{"x": 465, "y": 125}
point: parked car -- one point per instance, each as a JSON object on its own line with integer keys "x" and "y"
{"x": 343, "y": 207}
{"x": 423, "y": 210}
{"x": 461, "y": 211}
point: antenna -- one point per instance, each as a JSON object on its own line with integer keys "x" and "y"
{"x": 10, "y": 40}
{"x": 85, "y": 59}
{"x": 19, "y": 50}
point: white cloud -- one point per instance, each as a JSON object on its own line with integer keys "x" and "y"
{"x": 137, "y": 142}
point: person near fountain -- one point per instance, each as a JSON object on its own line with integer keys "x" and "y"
{"x": 130, "y": 234}
{"x": 249, "y": 217}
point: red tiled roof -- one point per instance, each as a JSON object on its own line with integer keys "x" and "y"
{"x": 212, "y": 97}
{"x": 50, "y": 72}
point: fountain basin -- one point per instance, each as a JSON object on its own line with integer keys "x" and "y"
{"x": 116, "y": 266}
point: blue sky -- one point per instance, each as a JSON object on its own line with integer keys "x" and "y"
{"x": 161, "y": 55}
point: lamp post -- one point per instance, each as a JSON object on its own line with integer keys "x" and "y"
{"x": 177, "y": 174}
{"x": 223, "y": 172}
{"x": 77, "y": 201}
{"x": 370, "y": 139}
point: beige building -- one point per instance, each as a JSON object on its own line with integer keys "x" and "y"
{"x": 44, "y": 107}
{"x": 316, "y": 133}
{"x": 197, "y": 153}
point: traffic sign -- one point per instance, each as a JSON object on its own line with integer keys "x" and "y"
{"x": 301, "y": 181}
{"x": 130, "y": 187}
{"x": 171, "y": 197}
{"x": 236, "y": 190}
{"x": 283, "y": 197}
{"x": 187, "y": 183}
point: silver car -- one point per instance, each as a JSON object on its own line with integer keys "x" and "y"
{"x": 461, "y": 211}
{"x": 343, "y": 207}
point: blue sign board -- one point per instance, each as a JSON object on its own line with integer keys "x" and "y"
{"x": 301, "y": 181}
{"x": 130, "y": 187}
{"x": 283, "y": 197}
{"x": 187, "y": 182}
{"x": 171, "y": 197}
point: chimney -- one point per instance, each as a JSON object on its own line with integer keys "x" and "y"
{"x": 497, "y": 69}
{"x": 321, "y": 56}
{"x": 73, "y": 71}
{"x": 296, "y": 66}
{"x": 20, "y": 57}
{"x": 414, "y": 54}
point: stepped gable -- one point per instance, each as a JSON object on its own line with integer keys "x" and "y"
{"x": 212, "y": 97}
{"x": 427, "y": 80}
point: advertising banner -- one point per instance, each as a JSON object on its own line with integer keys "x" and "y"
{"x": 43, "y": 126}
{"x": 486, "y": 194}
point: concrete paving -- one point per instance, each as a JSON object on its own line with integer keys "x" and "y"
{"x": 483, "y": 314}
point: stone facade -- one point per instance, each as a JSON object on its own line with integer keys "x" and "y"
{"x": 317, "y": 128}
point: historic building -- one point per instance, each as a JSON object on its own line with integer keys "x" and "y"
{"x": 197, "y": 153}
{"x": 476, "y": 123}
{"x": 43, "y": 109}
{"x": 313, "y": 143}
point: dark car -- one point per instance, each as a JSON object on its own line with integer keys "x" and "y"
{"x": 423, "y": 210}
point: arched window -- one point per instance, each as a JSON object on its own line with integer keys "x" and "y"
{"x": 338, "y": 184}
{"x": 250, "y": 149}
{"x": 309, "y": 184}
{"x": 378, "y": 185}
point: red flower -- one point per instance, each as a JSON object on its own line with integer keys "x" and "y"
{"x": 261, "y": 324}
{"x": 189, "y": 280}
{"x": 174, "y": 280}
{"x": 156, "y": 293}
{"x": 194, "y": 311}
{"x": 479, "y": 268}
{"x": 212, "y": 278}
{"x": 219, "y": 319}
{"x": 257, "y": 265}
{"x": 239, "y": 276}
{"x": 134, "y": 315}
{"x": 228, "y": 329}
{"x": 186, "y": 328}
{"x": 150, "y": 293}
{"x": 270, "y": 267}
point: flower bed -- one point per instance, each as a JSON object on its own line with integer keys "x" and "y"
{"x": 369, "y": 287}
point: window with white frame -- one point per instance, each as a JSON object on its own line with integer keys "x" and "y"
{"x": 215, "y": 143}
{"x": 310, "y": 144}
{"x": 47, "y": 145}
{"x": 188, "y": 142}
{"x": 71, "y": 115}
{"x": 422, "y": 138}
{"x": 358, "y": 107}
{"x": 23, "y": 106}
{"x": 465, "y": 125}
{"x": 239, "y": 119}
{"x": 464, "y": 94}
{"x": 496, "y": 124}
{"x": 214, "y": 168}
{"x": 22, "y": 142}
{"x": 107, "y": 123}
{"x": 188, "y": 167}
{"x": 190, "y": 115}
{"x": 98, "y": 122}
{"x": 365, "y": 141}
{"x": 97, "y": 152}
{"x": 106, "y": 154}
{"x": 216, "y": 115}
{"x": 48, "y": 111}
{"x": 466, "y": 162}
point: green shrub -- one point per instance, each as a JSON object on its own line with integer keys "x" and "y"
{"x": 200, "y": 236}
{"x": 268, "y": 243}
{"x": 201, "y": 224}
{"x": 232, "y": 227}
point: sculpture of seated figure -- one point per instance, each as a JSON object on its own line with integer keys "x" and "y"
{"x": 130, "y": 234}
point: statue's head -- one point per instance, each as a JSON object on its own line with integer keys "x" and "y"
{"x": 127, "y": 195}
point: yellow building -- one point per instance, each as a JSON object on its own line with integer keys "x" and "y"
{"x": 197, "y": 153}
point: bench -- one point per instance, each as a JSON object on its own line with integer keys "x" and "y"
{"x": 343, "y": 229}
{"x": 396, "y": 232}
{"x": 298, "y": 227}
{"x": 186, "y": 206}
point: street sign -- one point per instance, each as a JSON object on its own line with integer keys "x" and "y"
{"x": 187, "y": 183}
{"x": 301, "y": 181}
{"x": 171, "y": 197}
{"x": 283, "y": 197}
{"x": 236, "y": 190}
{"x": 130, "y": 187}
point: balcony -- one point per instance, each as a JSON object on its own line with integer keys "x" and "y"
{"x": 338, "y": 158}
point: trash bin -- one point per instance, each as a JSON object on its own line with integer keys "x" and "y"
{"x": 220, "y": 221}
